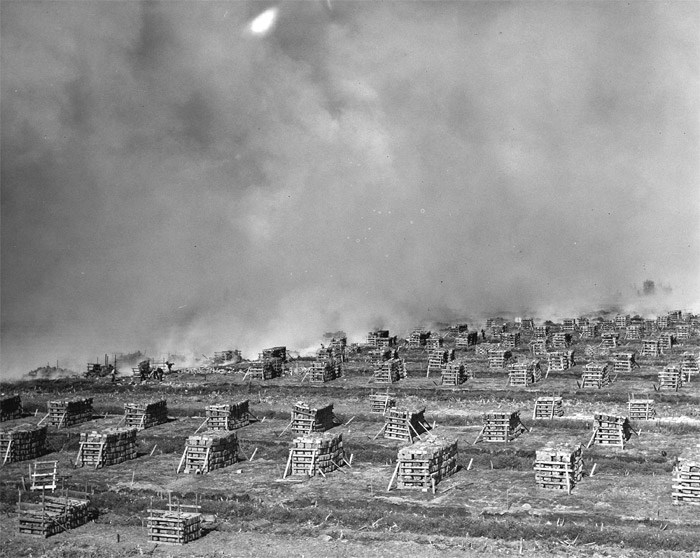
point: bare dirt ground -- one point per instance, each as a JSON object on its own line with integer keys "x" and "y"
{"x": 492, "y": 509}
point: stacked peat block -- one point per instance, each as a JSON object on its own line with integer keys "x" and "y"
{"x": 540, "y": 332}
{"x": 109, "y": 447}
{"x": 484, "y": 348}
{"x": 404, "y": 424}
{"x": 275, "y": 352}
{"x": 380, "y": 403}
{"x": 641, "y": 409}
{"x": 337, "y": 347}
{"x": 501, "y": 426}
{"x": 634, "y": 332}
{"x": 569, "y": 325}
{"x": 610, "y": 339}
{"x": 499, "y": 358}
{"x": 434, "y": 343}
{"x": 670, "y": 378}
{"x": 417, "y": 338}
{"x": 588, "y": 331}
{"x": 390, "y": 371}
{"x": 266, "y": 368}
{"x": 683, "y": 331}
{"x": 325, "y": 371}
{"x": 22, "y": 442}
{"x": 651, "y": 348}
{"x": 510, "y": 339}
{"x": 174, "y": 526}
{"x": 559, "y": 467}
{"x": 10, "y": 408}
{"x": 548, "y": 408}
{"x": 306, "y": 419}
{"x": 466, "y": 339}
{"x": 145, "y": 415}
{"x": 53, "y": 515}
{"x": 538, "y": 347}
{"x": 621, "y": 322}
{"x": 690, "y": 365}
{"x": 210, "y": 450}
{"x": 561, "y": 340}
{"x": 560, "y": 360}
{"x": 380, "y": 339}
{"x": 454, "y": 374}
{"x": 596, "y": 374}
{"x": 315, "y": 453}
{"x": 437, "y": 359}
{"x": 686, "y": 477}
{"x": 423, "y": 464}
{"x": 610, "y": 430}
{"x": 666, "y": 341}
{"x": 623, "y": 362}
{"x": 523, "y": 373}
{"x": 69, "y": 413}
{"x": 228, "y": 417}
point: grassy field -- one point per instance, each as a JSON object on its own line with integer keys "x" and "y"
{"x": 492, "y": 508}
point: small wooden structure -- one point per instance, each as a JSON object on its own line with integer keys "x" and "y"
{"x": 634, "y": 332}
{"x": 228, "y": 416}
{"x": 540, "y": 331}
{"x": 670, "y": 378}
{"x": 690, "y": 365}
{"x": 22, "y": 442}
{"x": 315, "y": 453}
{"x": 381, "y": 402}
{"x": 610, "y": 430}
{"x": 306, "y": 419}
{"x": 179, "y": 524}
{"x": 641, "y": 409}
{"x": 569, "y": 325}
{"x": 524, "y": 373}
{"x": 558, "y": 467}
{"x": 624, "y": 362}
{"x": 423, "y": 464}
{"x": 510, "y": 339}
{"x": 454, "y": 373}
{"x": 666, "y": 341}
{"x": 69, "y": 413}
{"x": 651, "y": 348}
{"x": 209, "y": 450}
{"x": 145, "y": 415}
{"x": 538, "y": 347}
{"x": 390, "y": 371}
{"x": 322, "y": 371}
{"x": 610, "y": 339}
{"x": 499, "y": 358}
{"x": 501, "y": 426}
{"x": 686, "y": 477}
{"x": 437, "y": 359}
{"x": 403, "y": 424}
{"x": 561, "y": 340}
{"x": 53, "y": 515}
{"x": 559, "y": 361}
{"x": 43, "y": 475}
{"x": 548, "y": 408}
{"x": 109, "y": 447}
{"x": 265, "y": 368}
{"x": 588, "y": 331}
{"x": 10, "y": 408}
{"x": 596, "y": 374}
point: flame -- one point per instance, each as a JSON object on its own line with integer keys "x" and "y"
{"x": 264, "y": 22}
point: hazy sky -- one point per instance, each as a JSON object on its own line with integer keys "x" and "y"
{"x": 171, "y": 180}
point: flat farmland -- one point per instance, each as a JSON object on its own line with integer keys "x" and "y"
{"x": 490, "y": 506}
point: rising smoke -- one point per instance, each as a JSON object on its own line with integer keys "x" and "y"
{"x": 171, "y": 181}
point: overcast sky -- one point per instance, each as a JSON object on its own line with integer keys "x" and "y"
{"x": 172, "y": 180}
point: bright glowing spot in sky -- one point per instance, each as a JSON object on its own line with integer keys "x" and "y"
{"x": 264, "y": 23}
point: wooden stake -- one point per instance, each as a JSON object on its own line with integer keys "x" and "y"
{"x": 391, "y": 481}
{"x": 592, "y": 469}
{"x": 469, "y": 467}
{"x": 253, "y": 455}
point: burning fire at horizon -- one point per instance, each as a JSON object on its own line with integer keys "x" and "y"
{"x": 263, "y": 23}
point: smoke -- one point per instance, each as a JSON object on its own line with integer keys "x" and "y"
{"x": 172, "y": 182}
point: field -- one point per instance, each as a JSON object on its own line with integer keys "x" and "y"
{"x": 491, "y": 508}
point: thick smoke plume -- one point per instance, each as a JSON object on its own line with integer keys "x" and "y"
{"x": 171, "y": 181}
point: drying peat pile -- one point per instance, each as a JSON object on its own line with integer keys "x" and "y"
{"x": 524, "y": 437}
